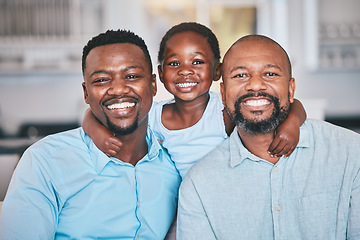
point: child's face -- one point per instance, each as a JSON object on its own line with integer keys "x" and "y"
{"x": 189, "y": 66}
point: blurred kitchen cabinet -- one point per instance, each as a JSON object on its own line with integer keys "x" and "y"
{"x": 332, "y": 34}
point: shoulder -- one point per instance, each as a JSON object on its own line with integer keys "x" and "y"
{"x": 215, "y": 99}
{"x": 214, "y": 113}
{"x": 56, "y": 156}
{"x": 64, "y": 145}
{"x": 156, "y": 112}
{"x": 67, "y": 139}
{"x": 323, "y": 130}
{"x": 329, "y": 143}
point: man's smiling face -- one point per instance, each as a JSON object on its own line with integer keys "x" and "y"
{"x": 258, "y": 87}
{"x": 119, "y": 86}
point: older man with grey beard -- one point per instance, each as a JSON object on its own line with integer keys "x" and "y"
{"x": 240, "y": 191}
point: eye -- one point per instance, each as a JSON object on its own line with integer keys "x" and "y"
{"x": 240, "y": 75}
{"x": 132, "y": 77}
{"x": 196, "y": 62}
{"x": 101, "y": 80}
{"x": 174, "y": 63}
{"x": 271, "y": 74}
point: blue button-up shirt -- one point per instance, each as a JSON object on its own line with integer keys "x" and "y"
{"x": 314, "y": 194}
{"x": 66, "y": 188}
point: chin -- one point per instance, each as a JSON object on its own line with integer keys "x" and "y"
{"x": 124, "y": 129}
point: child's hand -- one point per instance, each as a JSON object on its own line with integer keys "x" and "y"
{"x": 101, "y": 136}
{"x": 285, "y": 140}
{"x": 110, "y": 145}
{"x": 287, "y": 134}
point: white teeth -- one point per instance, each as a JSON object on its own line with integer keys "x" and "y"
{"x": 256, "y": 103}
{"x": 184, "y": 85}
{"x": 121, "y": 105}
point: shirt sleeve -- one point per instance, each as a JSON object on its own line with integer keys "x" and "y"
{"x": 30, "y": 207}
{"x": 192, "y": 222}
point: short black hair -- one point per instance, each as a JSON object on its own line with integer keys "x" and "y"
{"x": 190, "y": 27}
{"x": 113, "y": 37}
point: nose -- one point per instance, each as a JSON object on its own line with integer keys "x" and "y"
{"x": 118, "y": 86}
{"x": 185, "y": 70}
{"x": 255, "y": 83}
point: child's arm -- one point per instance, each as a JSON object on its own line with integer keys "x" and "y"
{"x": 287, "y": 134}
{"x": 100, "y": 135}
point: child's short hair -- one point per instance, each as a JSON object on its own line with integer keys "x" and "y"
{"x": 113, "y": 37}
{"x": 190, "y": 27}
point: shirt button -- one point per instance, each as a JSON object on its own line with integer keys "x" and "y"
{"x": 276, "y": 169}
{"x": 137, "y": 238}
{"x": 138, "y": 204}
{"x": 277, "y": 208}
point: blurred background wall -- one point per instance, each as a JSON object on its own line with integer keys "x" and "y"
{"x": 41, "y": 44}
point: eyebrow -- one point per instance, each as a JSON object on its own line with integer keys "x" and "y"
{"x": 99, "y": 71}
{"x": 236, "y": 68}
{"x": 272, "y": 66}
{"x": 107, "y": 72}
{"x": 266, "y": 66}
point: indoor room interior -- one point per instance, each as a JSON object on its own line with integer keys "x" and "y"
{"x": 41, "y": 44}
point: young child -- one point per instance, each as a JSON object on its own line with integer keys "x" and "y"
{"x": 194, "y": 122}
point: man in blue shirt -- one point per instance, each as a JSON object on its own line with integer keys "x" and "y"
{"x": 240, "y": 191}
{"x": 66, "y": 188}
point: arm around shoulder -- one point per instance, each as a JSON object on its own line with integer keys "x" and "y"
{"x": 287, "y": 134}
{"x": 101, "y": 136}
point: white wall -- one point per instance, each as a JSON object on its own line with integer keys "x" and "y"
{"x": 40, "y": 98}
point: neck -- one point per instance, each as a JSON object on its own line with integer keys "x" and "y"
{"x": 258, "y": 144}
{"x": 190, "y": 107}
{"x": 184, "y": 114}
{"x": 134, "y": 146}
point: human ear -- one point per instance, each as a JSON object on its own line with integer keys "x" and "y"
{"x": 153, "y": 84}
{"x": 291, "y": 90}
{"x": 85, "y": 92}
{"x": 222, "y": 91}
{"x": 160, "y": 71}
{"x": 217, "y": 74}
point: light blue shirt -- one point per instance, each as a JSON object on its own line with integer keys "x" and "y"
{"x": 312, "y": 195}
{"x": 186, "y": 146}
{"x": 66, "y": 188}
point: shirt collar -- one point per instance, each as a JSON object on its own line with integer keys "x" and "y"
{"x": 100, "y": 159}
{"x": 304, "y": 140}
{"x": 238, "y": 152}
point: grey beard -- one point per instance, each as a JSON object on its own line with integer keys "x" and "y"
{"x": 254, "y": 127}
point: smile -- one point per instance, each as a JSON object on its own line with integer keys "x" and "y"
{"x": 187, "y": 84}
{"x": 257, "y": 103}
{"x": 122, "y": 105}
